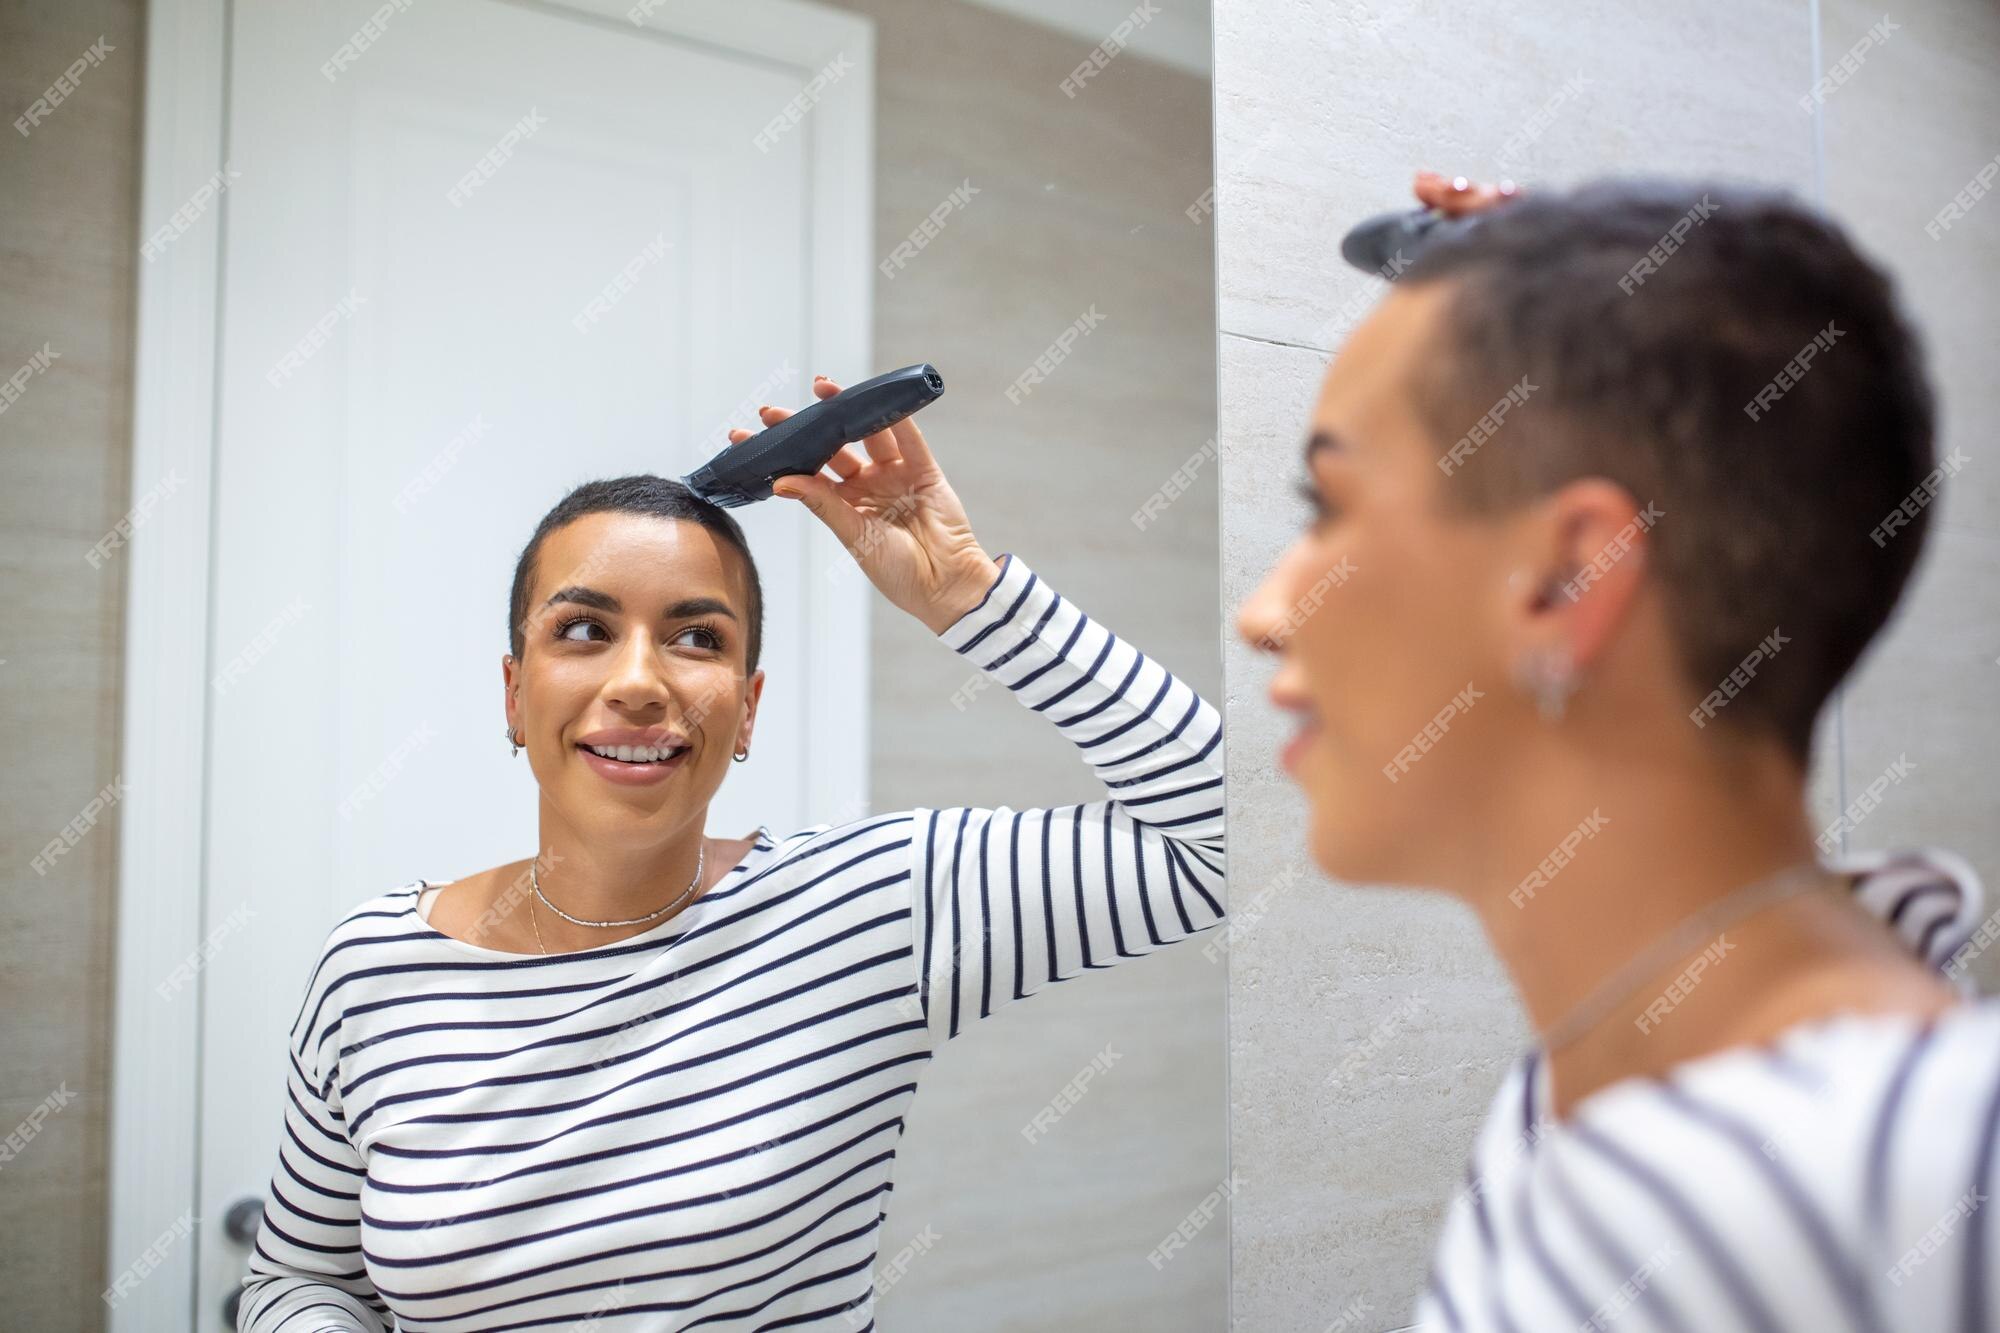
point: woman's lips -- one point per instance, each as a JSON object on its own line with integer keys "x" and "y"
{"x": 1296, "y": 746}
{"x": 632, "y": 775}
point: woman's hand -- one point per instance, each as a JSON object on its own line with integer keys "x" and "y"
{"x": 1456, "y": 196}
{"x": 898, "y": 517}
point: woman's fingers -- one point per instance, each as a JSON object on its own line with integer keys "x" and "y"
{"x": 1456, "y": 195}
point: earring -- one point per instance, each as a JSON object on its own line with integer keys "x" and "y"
{"x": 513, "y": 739}
{"x": 1549, "y": 677}
{"x": 741, "y": 755}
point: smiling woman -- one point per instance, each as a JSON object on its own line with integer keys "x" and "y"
{"x": 661, "y": 1078}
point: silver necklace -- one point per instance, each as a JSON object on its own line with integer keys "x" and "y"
{"x": 535, "y": 883}
{"x": 1678, "y": 943}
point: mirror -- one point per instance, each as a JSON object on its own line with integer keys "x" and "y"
{"x": 469, "y": 1002}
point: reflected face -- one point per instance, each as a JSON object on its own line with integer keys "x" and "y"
{"x": 635, "y": 645}
{"x": 1382, "y": 613}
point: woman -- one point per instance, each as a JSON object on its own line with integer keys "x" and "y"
{"x": 1605, "y": 550}
{"x": 652, "y": 1079}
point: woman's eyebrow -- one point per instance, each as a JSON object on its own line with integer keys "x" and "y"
{"x": 604, "y": 601}
{"x": 1323, "y": 440}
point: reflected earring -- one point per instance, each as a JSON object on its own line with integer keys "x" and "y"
{"x": 1549, "y": 677}
{"x": 513, "y": 739}
{"x": 741, "y": 755}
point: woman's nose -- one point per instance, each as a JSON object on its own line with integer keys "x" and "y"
{"x": 1260, "y": 618}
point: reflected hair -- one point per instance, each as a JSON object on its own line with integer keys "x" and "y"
{"x": 1660, "y": 324}
{"x": 650, "y": 496}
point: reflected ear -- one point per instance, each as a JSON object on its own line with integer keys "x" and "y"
{"x": 1580, "y": 570}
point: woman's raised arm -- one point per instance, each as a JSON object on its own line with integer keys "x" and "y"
{"x": 1009, "y": 901}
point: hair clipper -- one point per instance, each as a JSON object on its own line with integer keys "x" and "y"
{"x": 803, "y": 442}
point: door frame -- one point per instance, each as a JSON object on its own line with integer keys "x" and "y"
{"x": 156, "y": 1045}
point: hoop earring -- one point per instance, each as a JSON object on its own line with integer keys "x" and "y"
{"x": 741, "y": 755}
{"x": 513, "y": 739}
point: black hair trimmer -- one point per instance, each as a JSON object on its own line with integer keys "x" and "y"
{"x": 803, "y": 442}
{"x": 1388, "y": 243}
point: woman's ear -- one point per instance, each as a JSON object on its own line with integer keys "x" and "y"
{"x": 753, "y": 691}
{"x": 1579, "y": 571}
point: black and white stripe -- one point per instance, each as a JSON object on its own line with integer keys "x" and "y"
{"x": 694, "y": 1127}
{"x": 1835, "y": 1181}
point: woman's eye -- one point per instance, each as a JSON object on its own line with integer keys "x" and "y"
{"x": 563, "y": 630}
{"x": 714, "y": 640}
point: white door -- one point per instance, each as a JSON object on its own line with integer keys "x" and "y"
{"x": 476, "y": 253}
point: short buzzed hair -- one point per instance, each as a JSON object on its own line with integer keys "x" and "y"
{"x": 1725, "y": 354}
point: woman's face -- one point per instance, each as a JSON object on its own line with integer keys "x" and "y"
{"x": 1391, "y": 619}
{"x": 636, "y": 634}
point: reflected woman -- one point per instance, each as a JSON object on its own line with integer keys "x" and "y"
{"x": 652, "y": 1079}
{"x": 1570, "y": 676}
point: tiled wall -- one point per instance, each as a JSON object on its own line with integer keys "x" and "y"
{"x": 68, "y": 248}
{"x": 1323, "y": 113}
{"x": 1083, "y": 204}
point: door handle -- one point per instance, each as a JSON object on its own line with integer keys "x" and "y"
{"x": 240, "y": 1223}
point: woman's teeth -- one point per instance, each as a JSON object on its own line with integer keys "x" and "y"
{"x": 635, "y": 754}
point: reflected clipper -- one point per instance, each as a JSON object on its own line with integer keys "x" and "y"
{"x": 801, "y": 444}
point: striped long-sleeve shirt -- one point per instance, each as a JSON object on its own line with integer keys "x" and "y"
{"x": 1837, "y": 1180}
{"x": 695, "y": 1127}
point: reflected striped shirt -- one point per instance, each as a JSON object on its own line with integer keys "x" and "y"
{"x": 1835, "y": 1180}
{"x": 695, "y": 1127}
